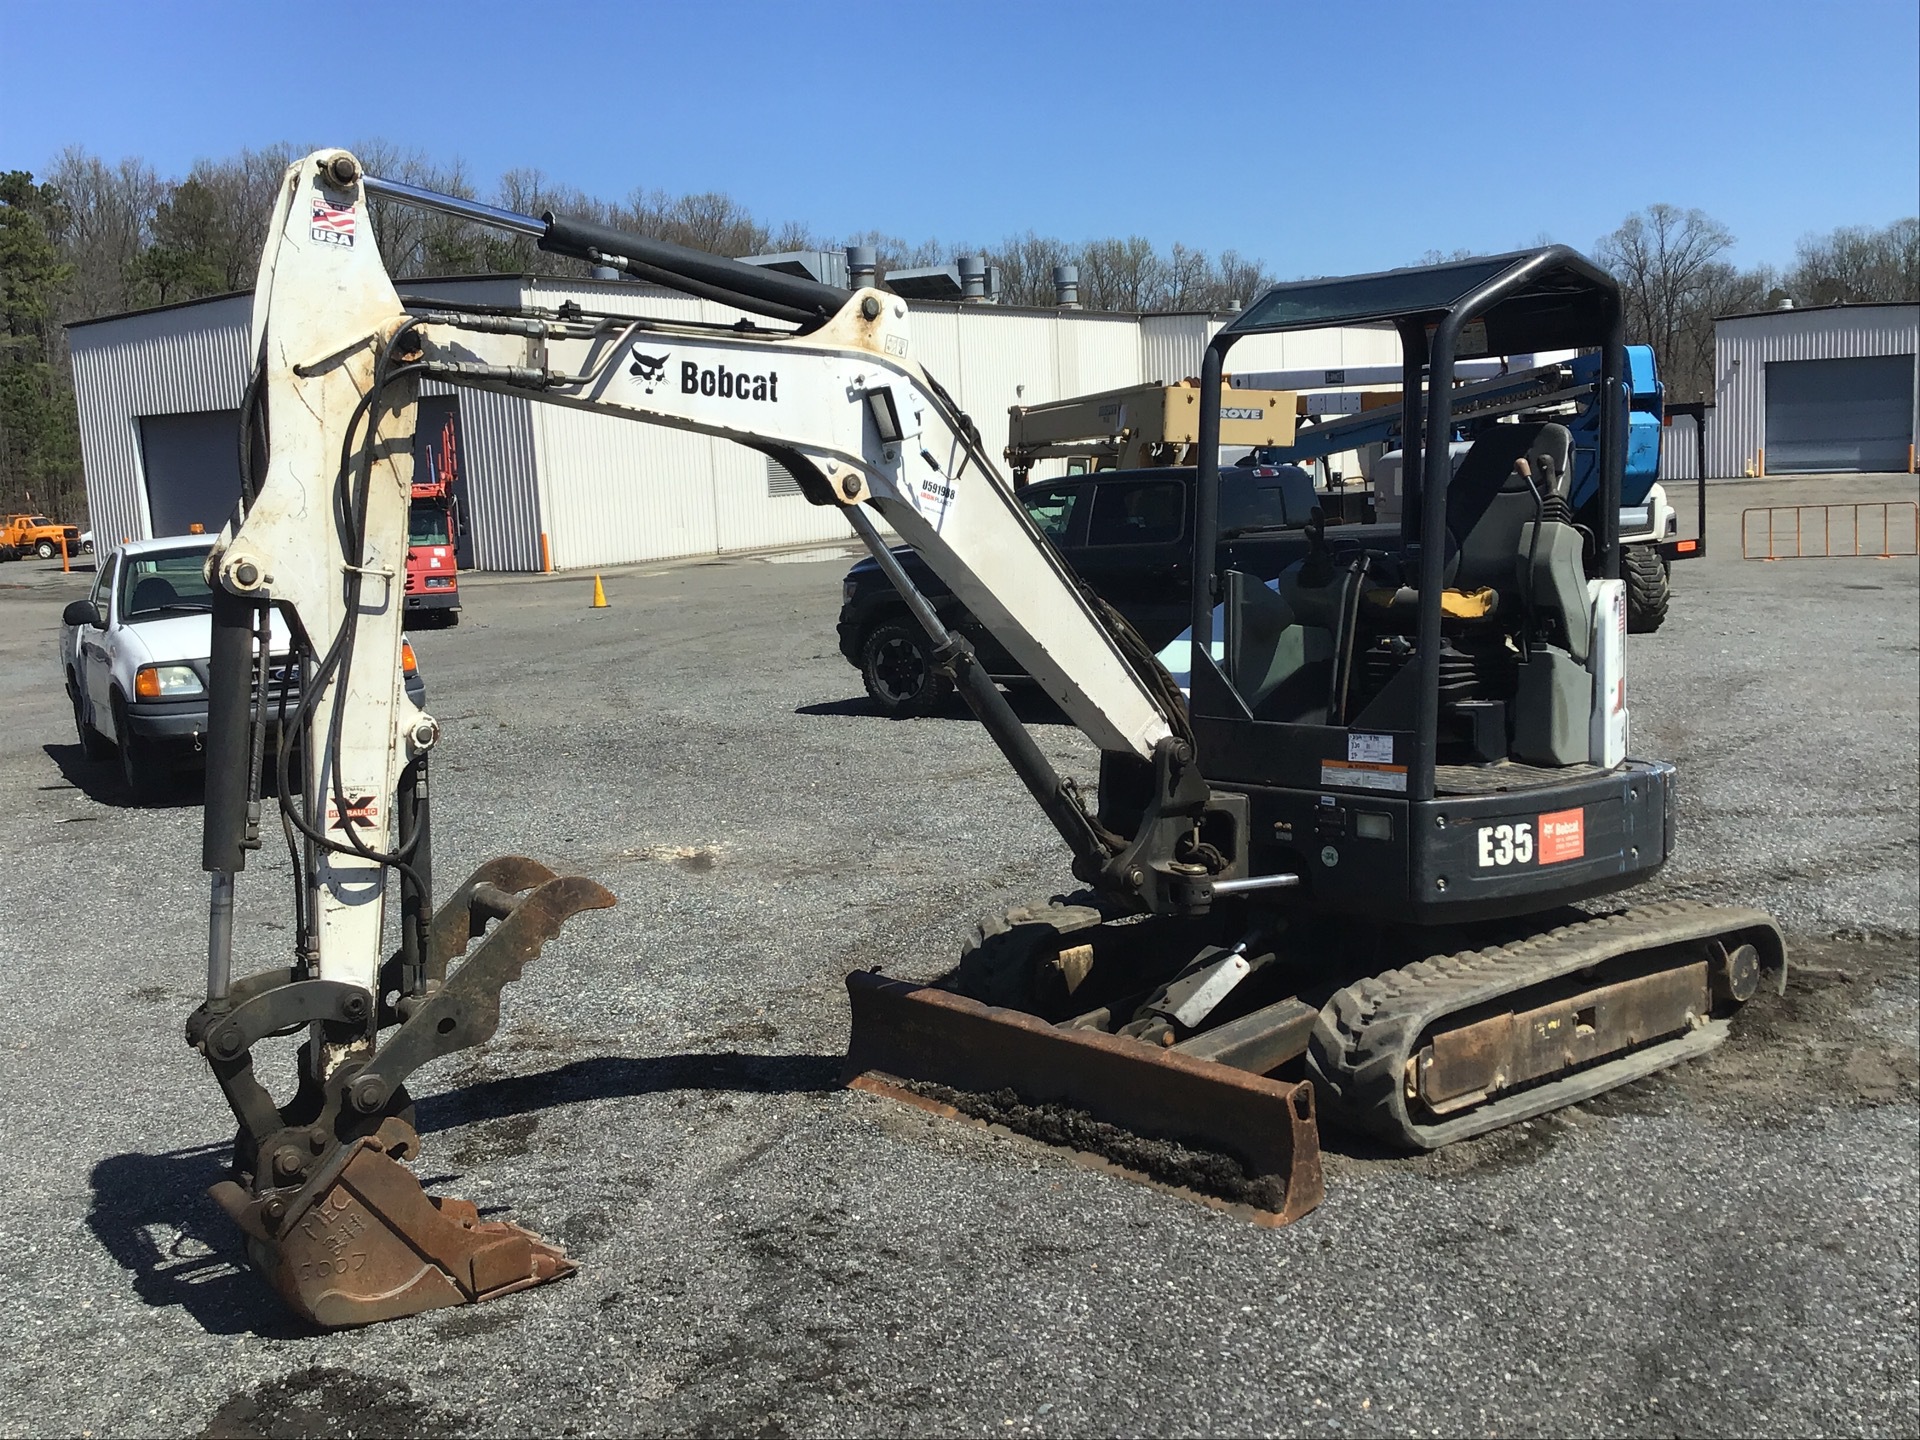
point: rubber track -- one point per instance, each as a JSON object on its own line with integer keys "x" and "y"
{"x": 1367, "y": 1031}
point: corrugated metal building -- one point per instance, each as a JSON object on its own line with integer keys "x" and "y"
{"x": 1680, "y": 448}
{"x": 1834, "y": 388}
{"x": 159, "y": 393}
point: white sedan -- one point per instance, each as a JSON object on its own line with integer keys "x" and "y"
{"x": 134, "y": 656}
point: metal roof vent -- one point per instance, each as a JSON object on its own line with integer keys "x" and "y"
{"x": 973, "y": 278}
{"x": 1066, "y": 286}
{"x": 825, "y": 267}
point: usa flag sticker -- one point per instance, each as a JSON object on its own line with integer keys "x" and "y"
{"x": 332, "y": 225}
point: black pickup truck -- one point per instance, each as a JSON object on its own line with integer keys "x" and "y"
{"x": 1127, "y": 533}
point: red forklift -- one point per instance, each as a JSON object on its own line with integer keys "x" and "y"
{"x": 433, "y": 571}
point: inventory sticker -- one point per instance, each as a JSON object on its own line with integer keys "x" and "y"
{"x": 937, "y": 495}
{"x": 1370, "y": 749}
{"x": 1563, "y": 836}
{"x": 1357, "y": 776}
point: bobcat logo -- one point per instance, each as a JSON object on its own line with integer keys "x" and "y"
{"x": 651, "y": 369}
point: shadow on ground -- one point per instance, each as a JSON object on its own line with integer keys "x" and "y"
{"x": 100, "y": 782}
{"x": 621, "y": 1077}
{"x": 152, "y": 1214}
{"x": 1028, "y": 702}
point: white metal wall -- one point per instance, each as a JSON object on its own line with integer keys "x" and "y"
{"x": 615, "y": 491}
{"x": 162, "y": 362}
{"x": 1743, "y": 346}
{"x": 1680, "y": 449}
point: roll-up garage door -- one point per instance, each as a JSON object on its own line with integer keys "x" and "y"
{"x": 1854, "y": 415}
{"x": 193, "y": 469}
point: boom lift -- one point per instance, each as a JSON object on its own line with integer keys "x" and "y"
{"x": 1415, "y": 756}
{"x": 1140, "y": 425}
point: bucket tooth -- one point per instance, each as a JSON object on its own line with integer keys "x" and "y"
{"x": 1172, "y": 1118}
{"x": 362, "y": 1242}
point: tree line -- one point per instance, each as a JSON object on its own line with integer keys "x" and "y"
{"x": 93, "y": 237}
{"x": 1675, "y": 278}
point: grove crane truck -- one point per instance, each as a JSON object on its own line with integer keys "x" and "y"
{"x": 1338, "y": 827}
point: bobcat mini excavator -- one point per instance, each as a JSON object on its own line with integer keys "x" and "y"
{"x": 1337, "y": 833}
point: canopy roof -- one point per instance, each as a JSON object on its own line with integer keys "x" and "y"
{"x": 1558, "y": 299}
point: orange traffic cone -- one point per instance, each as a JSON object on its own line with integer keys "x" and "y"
{"x": 599, "y": 594}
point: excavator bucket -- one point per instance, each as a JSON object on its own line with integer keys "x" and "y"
{"x": 1227, "y": 1135}
{"x": 347, "y": 1236}
{"x": 363, "y": 1242}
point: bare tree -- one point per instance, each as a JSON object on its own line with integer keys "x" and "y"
{"x": 1238, "y": 281}
{"x": 1026, "y": 267}
{"x": 1856, "y": 264}
{"x": 1121, "y": 274}
{"x": 108, "y": 224}
{"x": 1667, "y": 261}
{"x": 1723, "y": 290}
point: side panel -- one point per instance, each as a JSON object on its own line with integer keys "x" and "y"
{"x": 1462, "y": 858}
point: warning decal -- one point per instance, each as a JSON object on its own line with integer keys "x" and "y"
{"x": 1356, "y": 776}
{"x": 1563, "y": 836}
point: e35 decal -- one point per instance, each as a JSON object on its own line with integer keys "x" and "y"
{"x": 1559, "y": 836}
{"x": 1506, "y": 844}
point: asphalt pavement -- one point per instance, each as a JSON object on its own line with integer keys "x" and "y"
{"x": 1730, "y": 1248}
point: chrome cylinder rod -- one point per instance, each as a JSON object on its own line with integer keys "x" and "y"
{"x": 454, "y": 205}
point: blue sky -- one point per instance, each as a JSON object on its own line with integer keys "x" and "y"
{"x": 1321, "y": 137}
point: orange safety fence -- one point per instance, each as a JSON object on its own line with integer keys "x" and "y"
{"x": 1880, "y": 529}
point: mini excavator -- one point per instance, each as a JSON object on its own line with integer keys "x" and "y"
{"x": 1339, "y": 826}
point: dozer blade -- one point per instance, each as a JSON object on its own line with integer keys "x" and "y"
{"x": 1201, "y": 1126}
{"x": 362, "y": 1242}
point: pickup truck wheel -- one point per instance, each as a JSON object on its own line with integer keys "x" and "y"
{"x": 93, "y": 745}
{"x": 45, "y": 550}
{"x": 1649, "y": 587}
{"x": 898, "y": 674}
{"x": 139, "y": 767}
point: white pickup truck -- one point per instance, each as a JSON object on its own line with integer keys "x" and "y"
{"x": 134, "y": 657}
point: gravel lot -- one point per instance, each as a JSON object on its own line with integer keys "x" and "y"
{"x": 1728, "y": 1249}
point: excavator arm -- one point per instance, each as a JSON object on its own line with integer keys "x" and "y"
{"x": 835, "y": 391}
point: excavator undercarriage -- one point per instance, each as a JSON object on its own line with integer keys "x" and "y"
{"x": 1340, "y": 824}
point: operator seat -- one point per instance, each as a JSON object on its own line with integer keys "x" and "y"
{"x": 1513, "y": 476}
{"x": 156, "y": 592}
{"x": 1493, "y": 496}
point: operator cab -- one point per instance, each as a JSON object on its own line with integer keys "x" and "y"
{"x": 1379, "y": 707}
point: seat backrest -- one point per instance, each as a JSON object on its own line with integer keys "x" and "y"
{"x": 154, "y": 593}
{"x": 1491, "y": 499}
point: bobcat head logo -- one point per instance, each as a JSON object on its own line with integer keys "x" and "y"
{"x": 651, "y": 369}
